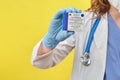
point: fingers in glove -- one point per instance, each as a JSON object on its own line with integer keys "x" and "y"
{"x": 59, "y": 13}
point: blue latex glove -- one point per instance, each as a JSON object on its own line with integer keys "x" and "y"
{"x": 55, "y": 33}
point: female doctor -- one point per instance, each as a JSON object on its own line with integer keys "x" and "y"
{"x": 96, "y": 57}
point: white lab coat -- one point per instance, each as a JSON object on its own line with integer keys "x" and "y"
{"x": 78, "y": 41}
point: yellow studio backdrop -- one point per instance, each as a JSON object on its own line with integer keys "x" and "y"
{"x": 22, "y": 24}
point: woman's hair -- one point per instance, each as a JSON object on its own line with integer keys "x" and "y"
{"x": 99, "y": 7}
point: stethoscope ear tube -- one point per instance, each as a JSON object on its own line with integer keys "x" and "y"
{"x": 85, "y": 58}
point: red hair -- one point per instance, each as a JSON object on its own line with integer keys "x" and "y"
{"x": 99, "y": 7}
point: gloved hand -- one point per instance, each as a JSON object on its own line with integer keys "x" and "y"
{"x": 55, "y": 33}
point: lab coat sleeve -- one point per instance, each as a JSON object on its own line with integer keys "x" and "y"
{"x": 53, "y": 57}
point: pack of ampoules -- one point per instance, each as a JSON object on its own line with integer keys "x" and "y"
{"x": 73, "y": 21}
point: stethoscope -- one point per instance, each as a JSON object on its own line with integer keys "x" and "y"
{"x": 85, "y": 58}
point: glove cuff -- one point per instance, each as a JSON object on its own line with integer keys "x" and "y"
{"x": 49, "y": 42}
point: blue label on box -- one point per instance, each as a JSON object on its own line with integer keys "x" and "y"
{"x": 65, "y": 21}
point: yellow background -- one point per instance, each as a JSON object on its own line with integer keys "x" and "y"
{"x": 22, "y": 24}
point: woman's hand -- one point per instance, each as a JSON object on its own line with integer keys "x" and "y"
{"x": 55, "y": 33}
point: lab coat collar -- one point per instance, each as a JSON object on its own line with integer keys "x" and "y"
{"x": 101, "y": 34}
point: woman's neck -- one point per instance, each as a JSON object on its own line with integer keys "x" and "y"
{"x": 115, "y": 15}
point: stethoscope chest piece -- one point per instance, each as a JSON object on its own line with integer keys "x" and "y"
{"x": 85, "y": 59}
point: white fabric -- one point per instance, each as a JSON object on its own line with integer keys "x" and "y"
{"x": 115, "y": 3}
{"x": 97, "y": 51}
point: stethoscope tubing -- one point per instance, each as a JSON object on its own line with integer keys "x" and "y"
{"x": 85, "y": 58}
